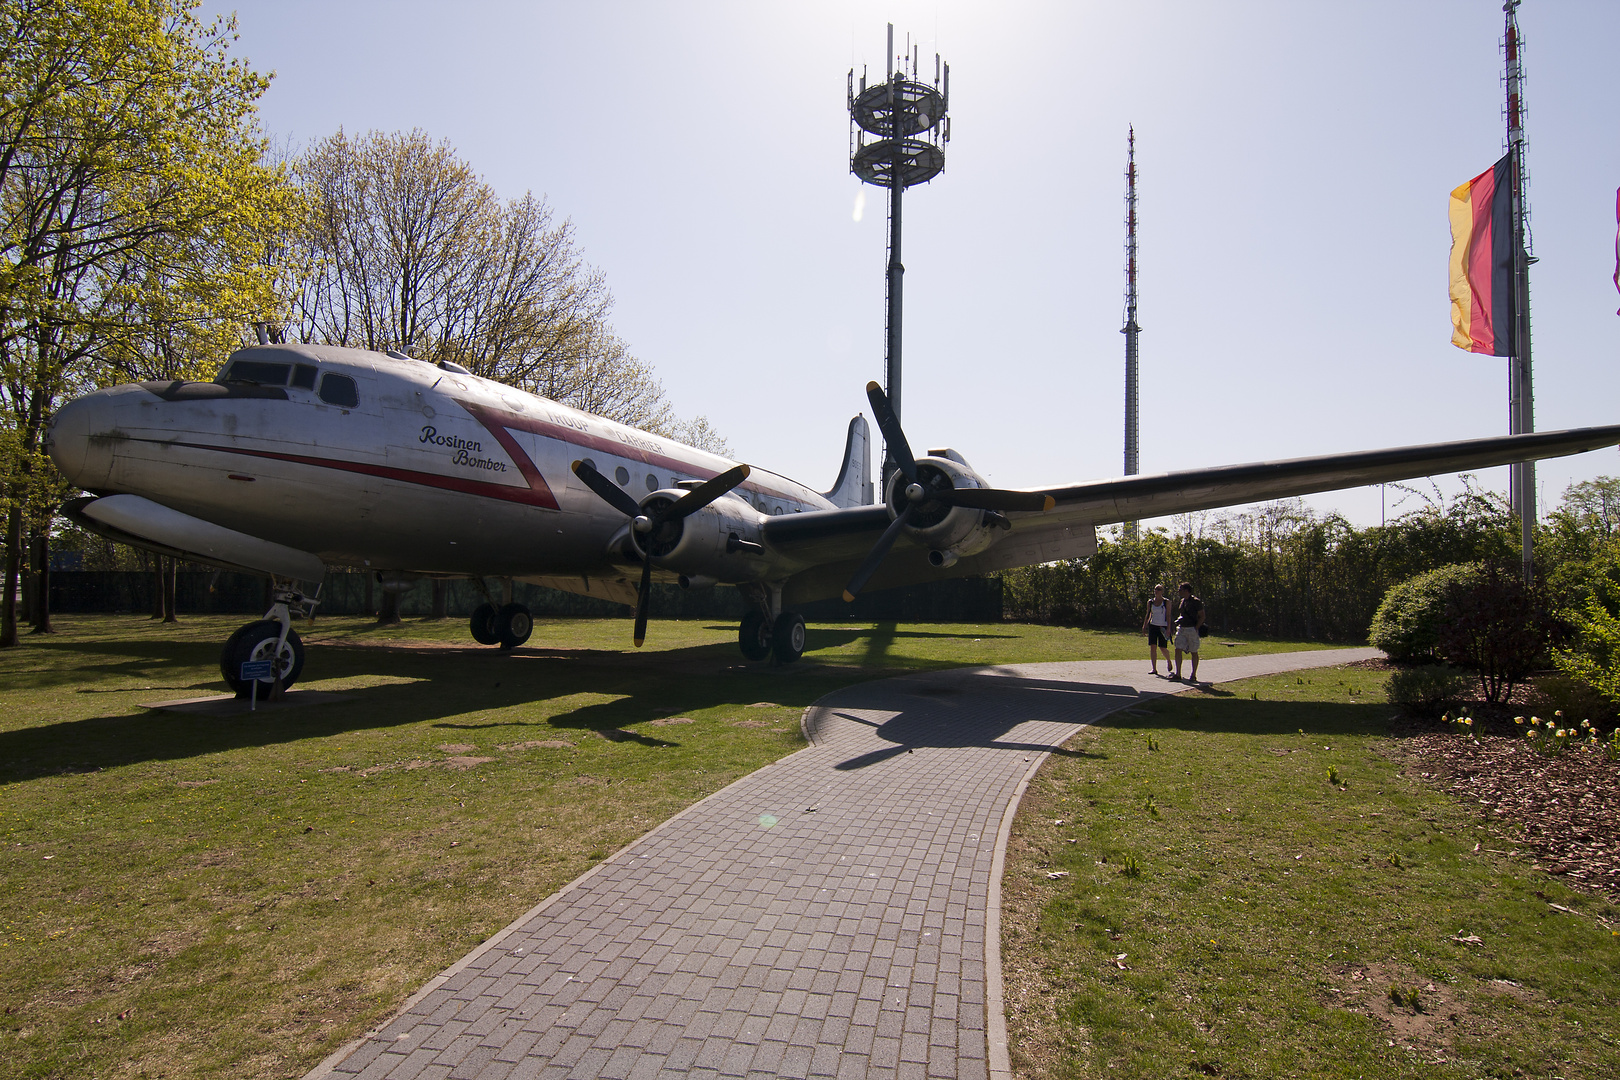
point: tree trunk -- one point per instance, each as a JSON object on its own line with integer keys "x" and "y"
{"x": 368, "y": 606}
{"x": 42, "y": 582}
{"x": 440, "y": 600}
{"x": 388, "y": 610}
{"x": 8, "y": 604}
{"x": 170, "y": 578}
{"x": 157, "y": 592}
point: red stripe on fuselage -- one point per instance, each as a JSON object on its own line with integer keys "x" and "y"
{"x": 537, "y": 494}
{"x": 500, "y": 424}
{"x": 497, "y": 422}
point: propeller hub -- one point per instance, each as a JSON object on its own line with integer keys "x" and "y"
{"x": 641, "y": 523}
{"x": 915, "y": 492}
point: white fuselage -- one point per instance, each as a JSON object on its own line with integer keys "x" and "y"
{"x": 423, "y": 469}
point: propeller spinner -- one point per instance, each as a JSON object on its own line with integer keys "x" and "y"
{"x": 927, "y": 491}
{"x": 651, "y": 528}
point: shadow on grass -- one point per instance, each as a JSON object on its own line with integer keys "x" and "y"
{"x": 980, "y": 709}
{"x": 435, "y": 685}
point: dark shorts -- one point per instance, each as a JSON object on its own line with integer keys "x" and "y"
{"x": 1156, "y": 637}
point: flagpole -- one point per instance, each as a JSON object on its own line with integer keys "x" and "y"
{"x": 1521, "y": 406}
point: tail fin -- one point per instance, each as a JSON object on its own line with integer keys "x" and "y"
{"x": 854, "y": 484}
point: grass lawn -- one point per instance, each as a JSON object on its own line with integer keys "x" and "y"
{"x": 197, "y": 896}
{"x": 1223, "y": 909}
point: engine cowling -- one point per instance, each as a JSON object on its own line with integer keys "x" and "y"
{"x": 717, "y": 542}
{"x": 948, "y": 532}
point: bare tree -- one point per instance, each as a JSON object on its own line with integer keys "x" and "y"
{"x": 408, "y": 249}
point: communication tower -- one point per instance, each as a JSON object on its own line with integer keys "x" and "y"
{"x": 1133, "y": 464}
{"x": 907, "y": 119}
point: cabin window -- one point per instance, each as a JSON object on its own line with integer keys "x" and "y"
{"x": 652, "y": 482}
{"x": 590, "y": 463}
{"x": 257, "y": 372}
{"x": 304, "y": 376}
{"x": 339, "y": 390}
{"x": 622, "y": 475}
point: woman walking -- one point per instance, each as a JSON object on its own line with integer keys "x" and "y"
{"x": 1157, "y": 626}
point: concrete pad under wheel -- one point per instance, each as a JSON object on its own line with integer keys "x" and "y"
{"x": 836, "y": 913}
{"x": 231, "y": 705}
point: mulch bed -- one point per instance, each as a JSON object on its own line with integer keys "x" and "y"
{"x": 1562, "y": 810}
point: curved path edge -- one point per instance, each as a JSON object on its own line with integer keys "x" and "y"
{"x": 835, "y": 913}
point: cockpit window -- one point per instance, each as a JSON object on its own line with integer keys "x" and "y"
{"x": 257, "y": 372}
{"x": 339, "y": 390}
{"x": 304, "y": 376}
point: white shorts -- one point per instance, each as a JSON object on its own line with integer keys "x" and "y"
{"x": 1187, "y": 639}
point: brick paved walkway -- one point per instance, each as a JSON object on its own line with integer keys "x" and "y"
{"x": 826, "y": 916}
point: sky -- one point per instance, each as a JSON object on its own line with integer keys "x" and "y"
{"x": 1295, "y": 162}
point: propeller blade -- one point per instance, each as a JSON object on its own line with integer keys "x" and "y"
{"x": 705, "y": 493}
{"x": 879, "y": 551}
{"x": 607, "y": 490}
{"x": 998, "y": 499}
{"x": 641, "y": 602}
{"x": 889, "y": 424}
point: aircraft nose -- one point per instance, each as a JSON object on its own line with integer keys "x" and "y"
{"x": 76, "y": 429}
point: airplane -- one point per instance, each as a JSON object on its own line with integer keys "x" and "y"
{"x": 297, "y": 457}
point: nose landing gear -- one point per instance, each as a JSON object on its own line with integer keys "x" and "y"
{"x": 271, "y": 638}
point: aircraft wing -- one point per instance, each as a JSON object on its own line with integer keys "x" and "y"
{"x": 835, "y": 541}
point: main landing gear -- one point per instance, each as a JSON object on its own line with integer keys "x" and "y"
{"x": 272, "y": 638}
{"x": 763, "y": 635}
{"x": 507, "y": 626}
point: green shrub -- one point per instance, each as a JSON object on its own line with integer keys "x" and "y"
{"x": 1407, "y": 623}
{"x": 1499, "y": 626}
{"x": 1593, "y": 657}
{"x": 1427, "y": 690}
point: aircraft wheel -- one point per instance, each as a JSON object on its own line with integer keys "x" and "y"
{"x": 483, "y": 625}
{"x": 754, "y": 636}
{"x": 257, "y": 641}
{"x": 787, "y": 639}
{"x": 513, "y": 625}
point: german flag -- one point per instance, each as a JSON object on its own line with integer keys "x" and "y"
{"x": 1482, "y": 309}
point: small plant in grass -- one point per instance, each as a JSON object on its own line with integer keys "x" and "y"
{"x": 1407, "y": 998}
{"x": 1132, "y": 868}
{"x": 1333, "y": 775}
{"x": 1395, "y": 861}
{"x": 1151, "y": 807}
{"x": 1153, "y": 744}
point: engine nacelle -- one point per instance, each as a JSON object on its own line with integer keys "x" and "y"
{"x": 948, "y": 532}
{"x": 715, "y": 544}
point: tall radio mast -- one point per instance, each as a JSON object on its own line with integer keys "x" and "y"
{"x": 1132, "y": 398}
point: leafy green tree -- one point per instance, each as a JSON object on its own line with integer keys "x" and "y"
{"x": 133, "y": 198}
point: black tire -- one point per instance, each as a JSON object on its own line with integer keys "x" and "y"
{"x": 787, "y": 637}
{"x": 256, "y": 641}
{"x": 513, "y": 624}
{"x": 483, "y": 625}
{"x": 754, "y": 636}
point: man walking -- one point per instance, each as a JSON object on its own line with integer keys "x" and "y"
{"x": 1189, "y": 618}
